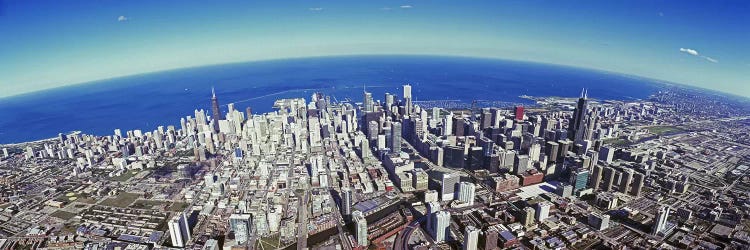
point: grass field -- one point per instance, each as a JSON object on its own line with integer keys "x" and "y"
{"x": 63, "y": 215}
{"x": 178, "y": 206}
{"x": 617, "y": 142}
{"x": 124, "y": 176}
{"x": 662, "y": 130}
{"x": 122, "y": 200}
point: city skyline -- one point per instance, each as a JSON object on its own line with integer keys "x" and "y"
{"x": 700, "y": 44}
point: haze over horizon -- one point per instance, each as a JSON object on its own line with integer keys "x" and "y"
{"x": 49, "y": 44}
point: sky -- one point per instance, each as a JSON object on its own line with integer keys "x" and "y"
{"x": 48, "y": 44}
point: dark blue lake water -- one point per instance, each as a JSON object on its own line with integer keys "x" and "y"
{"x": 149, "y": 100}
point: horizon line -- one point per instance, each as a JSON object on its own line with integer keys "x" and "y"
{"x": 653, "y": 80}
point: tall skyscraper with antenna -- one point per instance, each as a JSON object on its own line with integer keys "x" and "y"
{"x": 216, "y": 114}
{"x": 577, "y": 124}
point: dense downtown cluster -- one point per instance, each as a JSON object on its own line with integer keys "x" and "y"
{"x": 670, "y": 172}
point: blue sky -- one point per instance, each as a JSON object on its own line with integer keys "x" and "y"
{"x": 46, "y": 44}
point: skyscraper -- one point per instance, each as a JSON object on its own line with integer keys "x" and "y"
{"x": 596, "y": 176}
{"x": 367, "y": 102}
{"x": 660, "y": 222}
{"x": 440, "y": 226}
{"x": 625, "y": 179}
{"x": 396, "y": 137}
{"x": 637, "y": 186}
{"x": 179, "y": 230}
{"x": 240, "y": 224}
{"x": 579, "y": 179}
{"x": 407, "y": 99}
{"x": 216, "y": 114}
{"x": 466, "y": 192}
{"x": 449, "y": 186}
{"x": 577, "y": 124}
{"x": 471, "y": 238}
{"x": 542, "y": 210}
{"x": 361, "y": 228}
{"x": 518, "y": 112}
{"x": 609, "y": 177}
{"x": 346, "y": 200}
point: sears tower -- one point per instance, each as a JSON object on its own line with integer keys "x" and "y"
{"x": 215, "y": 113}
{"x": 577, "y": 125}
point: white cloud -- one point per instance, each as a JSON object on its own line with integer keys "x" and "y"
{"x": 316, "y": 9}
{"x": 693, "y": 52}
{"x": 689, "y": 51}
{"x": 406, "y": 6}
{"x": 122, "y": 18}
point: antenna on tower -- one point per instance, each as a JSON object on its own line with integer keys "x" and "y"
{"x": 213, "y": 92}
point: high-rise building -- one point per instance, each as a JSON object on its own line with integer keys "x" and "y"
{"x": 407, "y": 99}
{"x": 596, "y": 177}
{"x": 551, "y": 150}
{"x": 449, "y": 186}
{"x": 637, "y": 186}
{"x": 607, "y": 154}
{"x": 471, "y": 238}
{"x": 577, "y": 124}
{"x": 542, "y": 210}
{"x": 361, "y": 228}
{"x": 448, "y": 125}
{"x": 215, "y": 113}
{"x": 609, "y": 178}
{"x": 240, "y": 224}
{"x": 395, "y": 137}
{"x": 518, "y": 112}
{"x": 367, "y": 102}
{"x": 660, "y": 222}
{"x": 466, "y": 192}
{"x": 490, "y": 238}
{"x": 528, "y": 216}
{"x": 625, "y": 179}
{"x": 440, "y": 226}
{"x": 179, "y": 230}
{"x": 432, "y": 208}
{"x": 579, "y": 179}
{"x": 346, "y": 201}
{"x": 598, "y": 221}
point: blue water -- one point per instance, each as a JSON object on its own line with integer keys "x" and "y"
{"x": 149, "y": 100}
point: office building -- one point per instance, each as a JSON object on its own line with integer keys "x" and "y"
{"x": 360, "y": 225}
{"x": 579, "y": 179}
{"x": 518, "y": 113}
{"x": 471, "y": 238}
{"x": 367, "y": 102}
{"x": 542, "y": 210}
{"x": 346, "y": 201}
{"x": 448, "y": 189}
{"x": 179, "y": 231}
{"x": 660, "y": 221}
{"x": 577, "y": 124}
{"x": 609, "y": 178}
{"x": 240, "y": 225}
{"x": 596, "y": 176}
{"x": 215, "y": 113}
{"x": 441, "y": 226}
{"x": 395, "y": 137}
{"x": 625, "y": 179}
{"x": 637, "y": 186}
{"x": 598, "y": 221}
{"x": 466, "y": 193}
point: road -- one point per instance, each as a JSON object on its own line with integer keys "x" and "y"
{"x": 302, "y": 231}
